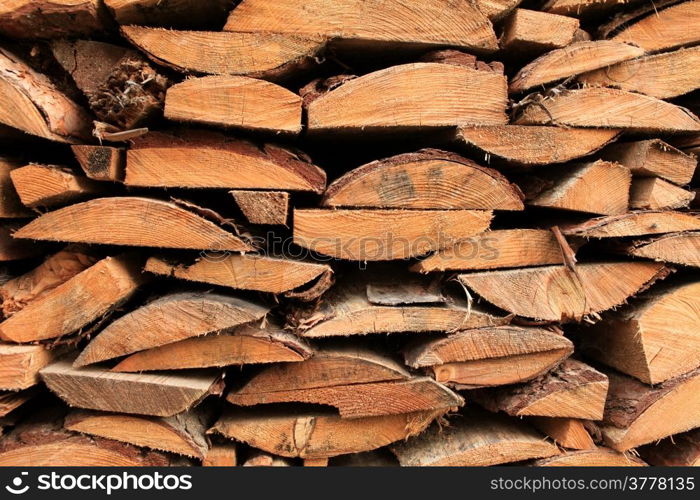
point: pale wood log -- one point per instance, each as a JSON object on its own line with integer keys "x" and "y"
{"x": 653, "y": 193}
{"x": 159, "y": 395}
{"x": 72, "y": 305}
{"x": 582, "y": 8}
{"x": 676, "y": 248}
{"x": 51, "y": 186}
{"x": 496, "y": 10}
{"x": 101, "y": 163}
{"x": 20, "y": 365}
{"x": 132, "y": 221}
{"x": 426, "y": 179}
{"x": 263, "y": 207}
{"x": 565, "y": 295}
{"x": 566, "y": 432}
{"x": 315, "y": 462}
{"x": 680, "y": 450}
{"x": 530, "y": 32}
{"x": 635, "y": 224}
{"x": 170, "y": 318}
{"x": 260, "y": 459}
{"x": 52, "y": 18}
{"x": 598, "y": 457}
{"x": 221, "y": 455}
{"x": 11, "y": 206}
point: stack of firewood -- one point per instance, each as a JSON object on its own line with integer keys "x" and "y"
{"x": 349, "y": 232}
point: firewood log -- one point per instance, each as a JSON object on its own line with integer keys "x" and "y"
{"x": 603, "y": 107}
{"x": 566, "y": 295}
{"x": 179, "y": 13}
{"x": 12, "y": 400}
{"x": 221, "y": 455}
{"x": 51, "y": 186}
{"x": 581, "y": 8}
{"x": 182, "y": 434}
{"x": 315, "y": 435}
{"x": 158, "y": 395}
{"x": 260, "y": 459}
{"x": 132, "y": 221}
{"x": 474, "y": 439}
{"x": 11, "y": 206}
{"x": 489, "y": 356}
{"x": 637, "y": 414}
{"x": 653, "y": 193}
{"x": 74, "y": 304}
{"x": 20, "y": 365}
{"x": 170, "y": 318}
{"x": 268, "y": 56}
{"x": 572, "y": 60}
{"x": 52, "y": 18}
{"x": 497, "y": 9}
{"x": 529, "y": 32}
{"x": 426, "y": 179}
{"x": 358, "y": 24}
{"x": 598, "y": 457}
{"x": 662, "y": 76}
{"x": 101, "y": 163}
{"x": 635, "y": 224}
{"x": 211, "y": 158}
{"x": 566, "y": 432}
{"x": 676, "y": 248}
{"x": 263, "y": 207}
{"x": 679, "y": 450}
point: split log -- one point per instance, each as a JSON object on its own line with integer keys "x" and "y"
{"x": 378, "y": 234}
{"x": 235, "y": 101}
{"x": 635, "y": 224}
{"x": 682, "y": 450}
{"x": 52, "y": 18}
{"x": 655, "y": 158}
{"x": 316, "y": 462}
{"x": 572, "y": 390}
{"x": 50, "y": 186}
{"x": 11, "y": 206}
{"x": 572, "y": 60}
{"x": 662, "y": 76}
{"x": 16, "y": 249}
{"x": 173, "y": 317}
{"x": 268, "y": 56}
{"x": 489, "y": 356}
{"x": 101, "y": 163}
{"x": 475, "y": 439}
{"x": 216, "y": 161}
{"x": 564, "y": 295}
{"x": 496, "y": 10}
{"x": 122, "y": 88}
{"x": 676, "y": 248}
{"x": 664, "y": 29}
{"x": 132, "y": 221}
{"x": 20, "y": 365}
{"x": 221, "y": 455}
{"x": 244, "y": 345}
{"x": 259, "y": 459}
{"x": 534, "y": 145}
{"x": 614, "y": 108}
{"x": 655, "y": 339}
{"x": 169, "y": 13}
{"x": 431, "y": 94}
{"x": 263, "y": 207}
{"x": 183, "y": 434}
{"x": 11, "y": 400}
{"x": 653, "y": 193}
{"x": 637, "y": 414}
{"x": 316, "y": 435}
{"x": 246, "y": 272}
{"x": 349, "y": 309}
{"x": 581, "y": 8}
{"x": 31, "y": 103}
{"x": 598, "y": 457}
{"x": 566, "y": 432}
{"x": 600, "y": 187}
{"x": 360, "y": 25}
{"x": 83, "y": 299}
{"x": 43, "y": 442}
{"x": 496, "y": 249}
{"x": 427, "y": 179}
{"x": 158, "y": 395}
{"x": 529, "y": 32}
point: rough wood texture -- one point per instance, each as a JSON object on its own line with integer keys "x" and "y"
{"x": 475, "y": 439}
{"x": 169, "y": 13}
{"x": 581, "y": 8}
{"x": 30, "y": 102}
{"x": 680, "y": 450}
{"x": 564, "y": 295}
{"x": 572, "y": 390}
{"x": 431, "y": 94}
{"x": 11, "y": 206}
{"x": 312, "y": 435}
{"x": 566, "y": 432}
{"x": 497, "y": 9}
{"x": 496, "y": 249}
{"x": 609, "y": 108}
{"x": 72, "y": 305}
{"x": 653, "y": 193}
{"x": 235, "y": 101}
{"x": 535, "y": 145}
{"x": 572, "y": 60}
{"x": 97, "y": 388}
{"x": 637, "y": 414}
{"x": 662, "y": 76}
{"x": 50, "y": 186}
{"x": 269, "y": 56}
{"x": 173, "y": 317}
{"x": 183, "y": 434}
{"x": 395, "y": 24}
{"x": 221, "y": 455}
{"x": 216, "y": 161}
{"x": 677, "y": 248}
{"x": 51, "y": 18}
{"x": 653, "y": 157}
{"x": 244, "y": 345}
{"x": 132, "y": 221}
{"x": 635, "y": 224}
{"x": 101, "y": 163}
{"x": 598, "y": 457}
{"x": 529, "y": 32}
{"x": 263, "y": 207}
{"x": 380, "y": 234}
{"x": 426, "y": 179}
{"x": 20, "y": 365}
